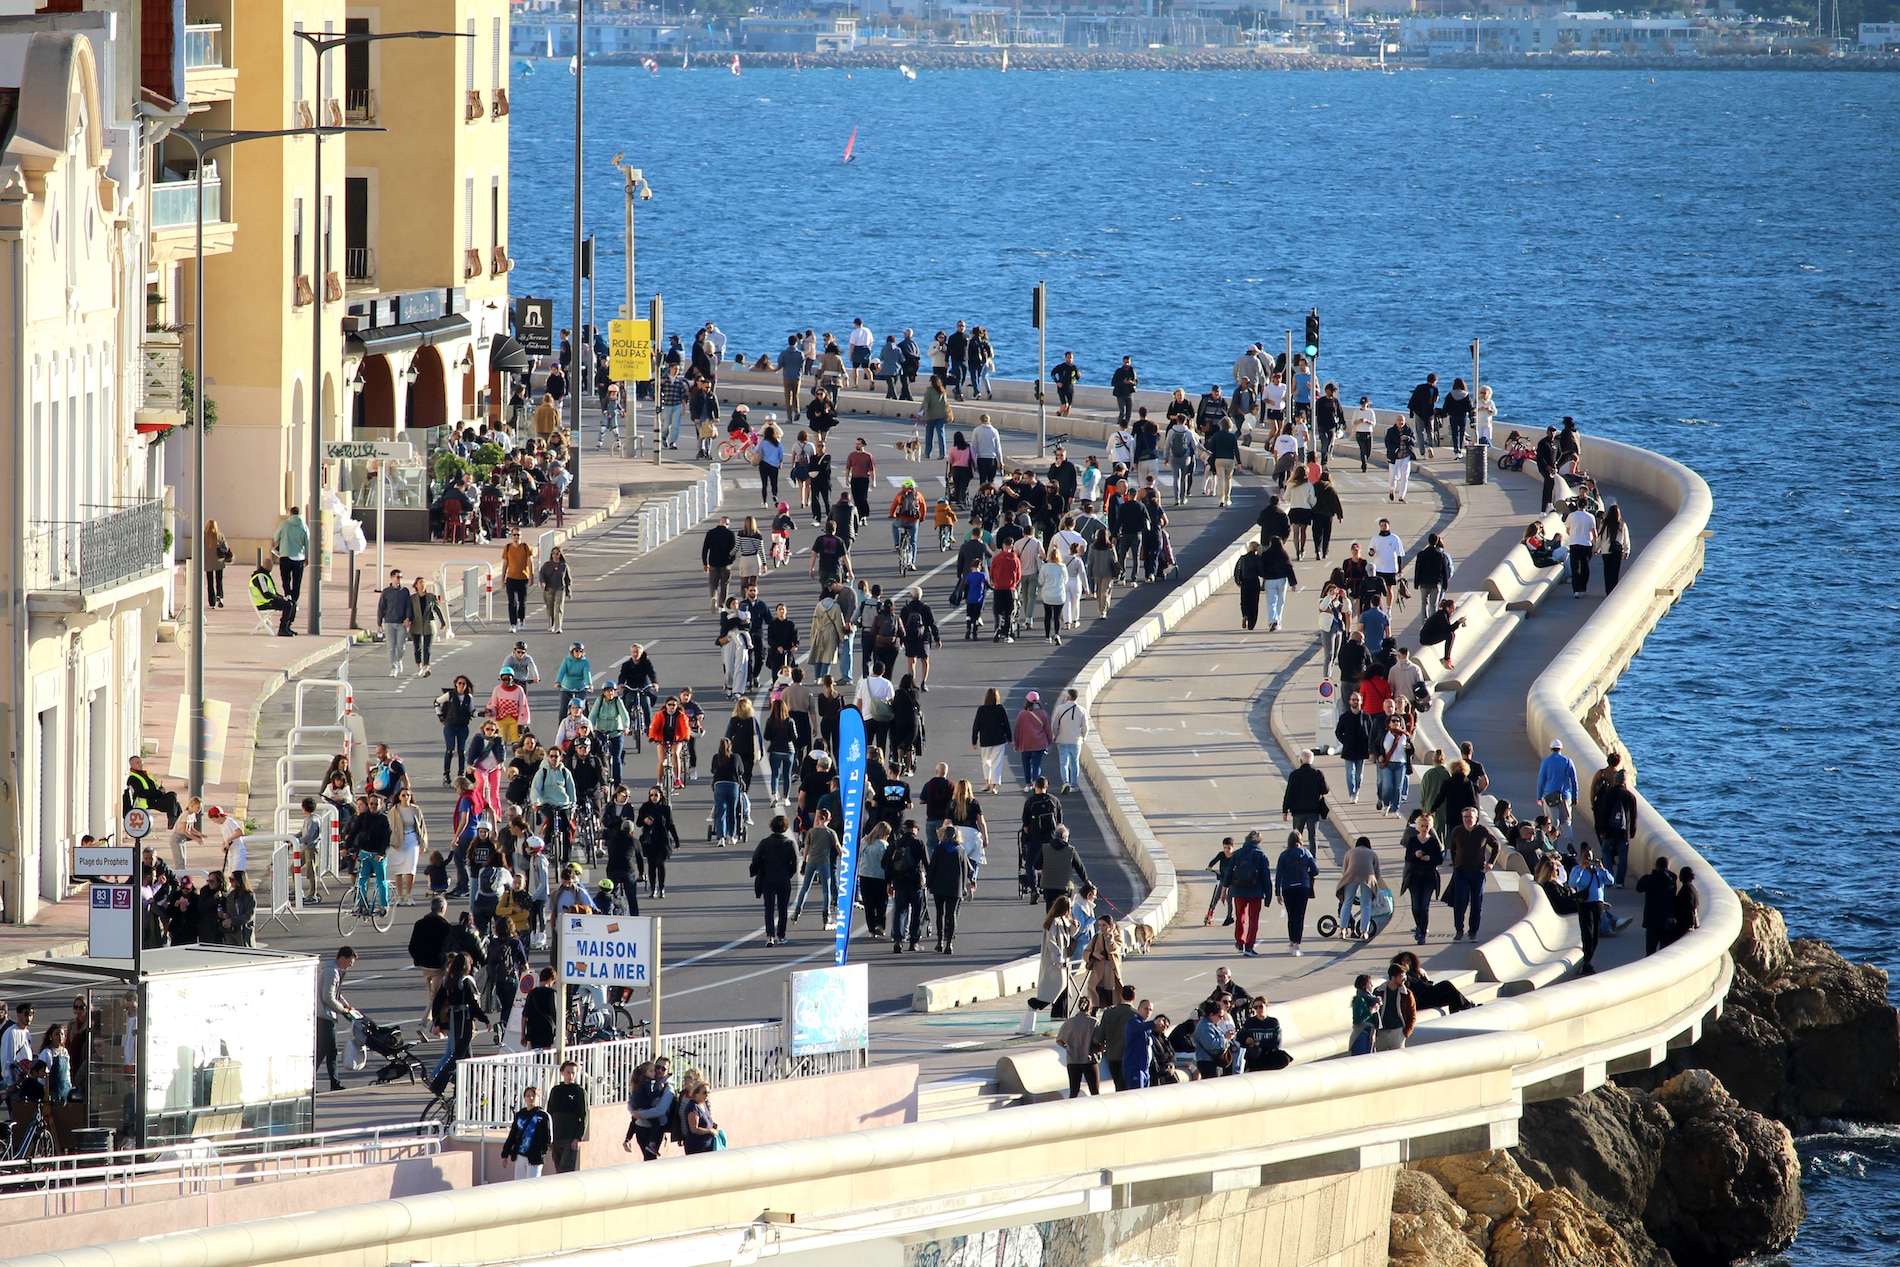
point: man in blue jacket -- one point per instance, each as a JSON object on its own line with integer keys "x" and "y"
{"x": 1557, "y": 786}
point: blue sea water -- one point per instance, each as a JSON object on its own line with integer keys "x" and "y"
{"x": 1702, "y": 263}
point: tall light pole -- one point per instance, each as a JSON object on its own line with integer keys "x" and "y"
{"x": 202, "y": 142}
{"x": 636, "y": 184}
{"x": 580, "y": 335}
{"x": 322, "y": 43}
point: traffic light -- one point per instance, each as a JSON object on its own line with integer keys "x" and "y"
{"x": 1312, "y": 332}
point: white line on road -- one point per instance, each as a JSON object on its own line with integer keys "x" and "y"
{"x": 746, "y": 976}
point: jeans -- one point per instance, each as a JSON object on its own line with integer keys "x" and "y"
{"x": 1276, "y": 600}
{"x": 1183, "y": 482}
{"x": 780, "y": 781}
{"x": 727, "y": 809}
{"x": 907, "y": 917}
{"x": 1421, "y": 912}
{"x": 1362, "y": 894}
{"x": 1032, "y": 765}
{"x": 1295, "y": 901}
{"x": 373, "y": 868}
{"x": 454, "y": 749}
{"x": 1616, "y": 854}
{"x": 1309, "y": 823}
{"x": 397, "y": 636}
{"x": 1355, "y": 772}
{"x": 517, "y": 600}
{"x": 1590, "y": 925}
{"x": 947, "y": 918}
{"x": 777, "y": 897}
{"x": 613, "y": 746}
{"x": 1467, "y": 893}
{"x": 1392, "y": 785}
{"x": 1579, "y": 569}
{"x": 422, "y": 643}
{"x": 1069, "y": 764}
{"x": 933, "y": 432}
{"x": 292, "y": 570}
{"x": 819, "y": 873}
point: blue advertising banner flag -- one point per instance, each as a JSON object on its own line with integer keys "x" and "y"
{"x": 851, "y": 798}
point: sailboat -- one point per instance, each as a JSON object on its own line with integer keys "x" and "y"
{"x": 735, "y": 63}
{"x": 686, "y": 56}
{"x": 1005, "y": 61}
{"x": 795, "y": 65}
{"x": 574, "y": 64}
{"x": 851, "y": 145}
{"x": 906, "y": 71}
{"x": 550, "y": 34}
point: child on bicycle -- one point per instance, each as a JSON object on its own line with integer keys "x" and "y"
{"x": 782, "y": 525}
{"x": 946, "y": 521}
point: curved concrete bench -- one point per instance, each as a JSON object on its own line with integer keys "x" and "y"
{"x": 1519, "y": 583}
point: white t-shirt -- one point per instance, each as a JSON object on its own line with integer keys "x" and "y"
{"x": 1287, "y": 443}
{"x": 1387, "y": 550}
{"x": 1121, "y": 448}
{"x": 1580, "y": 528}
{"x": 874, "y": 688}
{"x": 1273, "y": 395}
{"x": 860, "y": 336}
{"x": 1066, "y": 539}
{"x": 1364, "y": 420}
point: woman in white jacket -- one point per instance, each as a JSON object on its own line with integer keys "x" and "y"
{"x": 1078, "y": 589}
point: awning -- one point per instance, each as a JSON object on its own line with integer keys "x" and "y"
{"x": 445, "y": 329}
{"x": 383, "y": 341}
{"x": 506, "y": 356}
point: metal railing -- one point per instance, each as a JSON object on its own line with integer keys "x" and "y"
{"x": 359, "y": 105}
{"x": 91, "y": 554}
{"x": 78, "y": 1181}
{"x": 204, "y": 46}
{"x": 175, "y": 203}
{"x": 359, "y": 264}
{"x": 488, "y": 1089}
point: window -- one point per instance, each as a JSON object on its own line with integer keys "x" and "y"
{"x": 328, "y": 76}
{"x": 494, "y": 212}
{"x": 470, "y": 54}
{"x": 494, "y": 70}
{"x": 296, "y": 240}
{"x": 296, "y": 61}
{"x": 468, "y": 214}
{"x": 329, "y": 226}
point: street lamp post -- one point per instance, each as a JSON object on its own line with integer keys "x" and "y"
{"x": 202, "y": 142}
{"x": 322, "y": 43}
{"x": 580, "y": 334}
{"x": 637, "y": 184}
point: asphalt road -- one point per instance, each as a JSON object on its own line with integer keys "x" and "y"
{"x": 718, "y": 970}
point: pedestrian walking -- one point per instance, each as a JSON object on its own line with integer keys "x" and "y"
{"x": 1250, "y": 880}
{"x": 395, "y": 609}
{"x": 530, "y": 1135}
{"x": 556, "y": 584}
{"x": 517, "y": 570}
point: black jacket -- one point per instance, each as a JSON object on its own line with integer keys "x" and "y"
{"x": 774, "y": 862}
{"x": 948, "y": 871}
{"x": 1273, "y": 523}
{"x": 1305, "y": 791}
{"x": 1659, "y": 898}
{"x": 720, "y": 547}
{"x": 1431, "y": 566}
{"x": 1358, "y": 734}
{"x": 905, "y": 863}
{"x": 991, "y": 728}
{"x": 428, "y": 942}
{"x": 1424, "y": 398}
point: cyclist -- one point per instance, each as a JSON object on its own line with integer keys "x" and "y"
{"x": 589, "y": 771}
{"x": 575, "y": 676}
{"x": 553, "y": 798}
{"x": 907, "y": 511}
{"x": 640, "y": 688}
{"x": 372, "y": 854}
{"x": 611, "y": 720}
{"x": 668, "y": 731}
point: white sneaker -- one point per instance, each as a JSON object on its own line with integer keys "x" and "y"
{"x": 1296, "y": 952}
{"x": 395, "y": 672}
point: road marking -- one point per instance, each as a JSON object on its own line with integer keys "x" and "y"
{"x": 747, "y": 976}
{"x": 719, "y": 950}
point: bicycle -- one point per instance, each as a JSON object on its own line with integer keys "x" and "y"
{"x": 36, "y": 1149}
{"x": 587, "y": 832}
{"x": 557, "y": 830}
{"x": 357, "y": 908}
{"x": 732, "y": 448}
{"x": 441, "y": 1106}
{"x": 669, "y": 767}
{"x": 640, "y": 705}
{"x": 905, "y": 544}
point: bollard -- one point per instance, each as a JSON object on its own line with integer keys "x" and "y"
{"x": 718, "y": 485}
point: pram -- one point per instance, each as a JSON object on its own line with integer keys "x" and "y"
{"x": 1165, "y": 566}
{"x": 731, "y": 808}
{"x": 387, "y": 1041}
{"x": 1026, "y": 855}
{"x": 1378, "y": 915}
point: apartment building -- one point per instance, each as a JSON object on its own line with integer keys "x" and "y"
{"x": 85, "y": 563}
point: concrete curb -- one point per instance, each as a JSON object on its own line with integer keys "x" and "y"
{"x": 14, "y": 961}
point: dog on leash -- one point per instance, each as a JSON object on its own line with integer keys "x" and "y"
{"x": 912, "y": 448}
{"x": 1137, "y": 938}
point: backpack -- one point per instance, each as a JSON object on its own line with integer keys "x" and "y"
{"x": 1616, "y": 818}
{"x": 904, "y": 861}
{"x": 1041, "y": 816}
{"x": 1391, "y": 1015}
{"x": 440, "y": 1008}
{"x": 1246, "y": 872}
{"x": 910, "y": 505}
{"x": 1178, "y": 444}
{"x": 914, "y": 624}
{"x": 442, "y": 708}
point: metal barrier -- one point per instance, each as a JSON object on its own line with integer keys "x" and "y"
{"x": 470, "y": 595}
{"x": 344, "y": 696}
{"x": 75, "y": 1181}
{"x": 669, "y": 517}
{"x": 283, "y": 900}
{"x": 488, "y": 1089}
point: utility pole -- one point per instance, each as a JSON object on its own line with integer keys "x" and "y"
{"x": 1039, "y": 314}
{"x": 573, "y": 374}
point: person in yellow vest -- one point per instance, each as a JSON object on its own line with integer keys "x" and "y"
{"x": 264, "y": 597}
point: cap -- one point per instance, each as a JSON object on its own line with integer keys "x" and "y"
{"x": 215, "y": 811}
{"x": 1556, "y": 744}
{"x": 521, "y": 646}
{"x": 1032, "y": 697}
{"x": 536, "y": 844}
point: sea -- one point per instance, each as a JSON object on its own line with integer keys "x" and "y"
{"x": 1703, "y": 263}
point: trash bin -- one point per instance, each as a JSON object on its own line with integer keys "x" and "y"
{"x": 92, "y": 1139}
{"x": 1477, "y": 463}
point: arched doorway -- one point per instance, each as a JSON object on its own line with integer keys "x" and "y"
{"x": 429, "y": 394}
{"x": 332, "y": 421}
{"x": 376, "y": 403}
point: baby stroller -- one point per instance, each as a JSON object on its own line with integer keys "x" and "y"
{"x": 1026, "y": 854}
{"x": 387, "y": 1041}
{"x": 1377, "y": 916}
{"x": 731, "y": 808}
{"x": 1165, "y": 566}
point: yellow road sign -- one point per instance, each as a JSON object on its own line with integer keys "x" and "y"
{"x": 630, "y": 345}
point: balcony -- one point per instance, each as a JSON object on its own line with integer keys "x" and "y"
{"x": 174, "y": 219}
{"x": 477, "y": 108}
{"x": 115, "y": 546}
{"x": 302, "y": 293}
{"x": 359, "y": 264}
{"x": 500, "y": 109}
{"x": 333, "y": 113}
{"x": 306, "y": 115}
{"x": 359, "y": 107}
{"x": 471, "y": 263}
{"x": 332, "y": 288}
{"x": 207, "y": 78}
{"x": 499, "y": 263}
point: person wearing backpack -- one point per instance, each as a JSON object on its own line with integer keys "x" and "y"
{"x": 907, "y": 511}
{"x": 1394, "y": 1011}
{"x": 1178, "y": 445}
{"x": 904, "y": 863}
{"x": 919, "y": 633}
{"x": 1249, "y": 881}
{"x": 1614, "y": 812}
{"x": 1030, "y": 738}
{"x": 1042, "y": 814}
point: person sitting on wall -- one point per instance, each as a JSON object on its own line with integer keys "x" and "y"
{"x": 264, "y": 597}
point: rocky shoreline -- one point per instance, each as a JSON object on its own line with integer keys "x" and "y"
{"x": 1691, "y": 1163}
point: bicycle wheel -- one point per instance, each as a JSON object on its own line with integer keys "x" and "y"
{"x": 440, "y": 1110}
{"x": 347, "y": 913}
{"x": 730, "y": 449}
{"x": 1326, "y": 925}
{"x": 624, "y": 1024}
{"x": 382, "y": 917}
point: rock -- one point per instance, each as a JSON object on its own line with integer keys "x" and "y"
{"x": 1821, "y": 990}
{"x": 1605, "y": 1148}
{"x": 1557, "y": 1230}
{"x": 1729, "y": 1183}
{"x": 1427, "y": 1226}
{"x": 1761, "y": 950}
